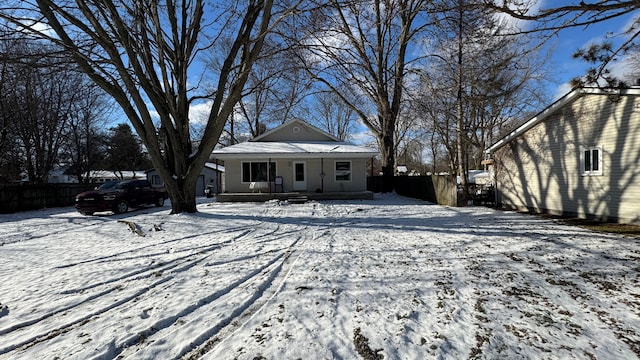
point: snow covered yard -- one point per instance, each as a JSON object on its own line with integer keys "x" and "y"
{"x": 392, "y": 278}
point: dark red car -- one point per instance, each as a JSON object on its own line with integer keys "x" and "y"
{"x": 119, "y": 197}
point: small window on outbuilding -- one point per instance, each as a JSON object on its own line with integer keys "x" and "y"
{"x": 156, "y": 180}
{"x": 591, "y": 160}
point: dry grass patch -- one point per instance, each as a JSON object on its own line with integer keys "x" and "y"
{"x": 595, "y": 225}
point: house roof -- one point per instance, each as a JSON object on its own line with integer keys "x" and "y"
{"x": 214, "y": 166}
{"x": 293, "y": 149}
{"x": 294, "y": 139}
{"x": 108, "y": 174}
{"x": 296, "y": 126}
{"x": 208, "y": 165}
{"x": 553, "y": 108}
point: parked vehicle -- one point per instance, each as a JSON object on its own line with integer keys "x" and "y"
{"x": 119, "y": 197}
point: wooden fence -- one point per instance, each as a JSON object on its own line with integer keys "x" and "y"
{"x": 433, "y": 188}
{"x": 22, "y": 197}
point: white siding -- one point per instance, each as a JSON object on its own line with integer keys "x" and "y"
{"x": 540, "y": 170}
{"x": 315, "y": 167}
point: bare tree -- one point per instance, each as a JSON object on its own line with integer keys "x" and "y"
{"x": 331, "y": 114}
{"x": 38, "y": 105}
{"x": 551, "y": 19}
{"x": 360, "y": 49}
{"x": 142, "y": 54}
{"x": 85, "y": 147}
{"x": 273, "y": 94}
{"x": 9, "y": 161}
{"x": 478, "y": 79}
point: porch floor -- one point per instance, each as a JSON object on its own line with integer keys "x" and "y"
{"x": 262, "y": 196}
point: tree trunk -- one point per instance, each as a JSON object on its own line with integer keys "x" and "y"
{"x": 183, "y": 199}
{"x": 460, "y": 112}
{"x": 388, "y": 160}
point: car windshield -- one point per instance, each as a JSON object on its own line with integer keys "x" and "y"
{"x": 108, "y": 185}
{"x": 123, "y": 185}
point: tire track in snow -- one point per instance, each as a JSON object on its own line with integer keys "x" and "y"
{"x": 161, "y": 266}
{"x": 247, "y": 230}
{"x": 142, "y": 275}
{"x": 38, "y": 338}
{"x": 214, "y": 336}
{"x": 27, "y": 232}
{"x": 156, "y": 287}
{"x": 261, "y": 279}
{"x": 61, "y": 226}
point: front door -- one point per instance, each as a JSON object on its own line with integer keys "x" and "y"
{"x": 299, "y": 176}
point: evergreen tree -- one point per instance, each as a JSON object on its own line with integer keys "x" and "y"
{"x": 125, "y": 151}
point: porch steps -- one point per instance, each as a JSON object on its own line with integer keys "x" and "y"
{"x": 298, "y": 199}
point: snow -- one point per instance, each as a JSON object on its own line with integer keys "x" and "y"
{"x": 392, "y": 277}
{"x": 300, "y": 148}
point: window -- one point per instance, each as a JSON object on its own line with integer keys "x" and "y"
{"x": 591, "y": 161}
{"x": 156, "y": 180}
{"x": 257, "y": 171}
{"x": 343, "y": 170}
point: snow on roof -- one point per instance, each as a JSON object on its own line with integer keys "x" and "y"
{"x": 214, "y": 166}
{"x": 125, "y": 174}
{"x": 293, "y": 149}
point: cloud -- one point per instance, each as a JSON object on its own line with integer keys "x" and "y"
{"x": 533, "y": 7}
{"x": 562, "y": 90}
{"x": 36, "y": 28}
{"x": 199, "y": 113}
{"x": 362, "y": 136}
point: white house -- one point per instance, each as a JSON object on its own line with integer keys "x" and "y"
{"x": 296, "y": 157}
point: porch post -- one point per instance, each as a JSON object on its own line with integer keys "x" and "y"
{"x": 372, "y": 166}
{"x": 269, "y": 174}
{"x": 218, "y": 179}
{"x": 322, "y": 174}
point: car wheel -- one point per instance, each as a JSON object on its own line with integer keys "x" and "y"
{"x": 121, "y": 207}
{"x": 160, "y": 201}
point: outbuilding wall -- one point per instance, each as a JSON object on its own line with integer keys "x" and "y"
{"x": 541, "y": 169}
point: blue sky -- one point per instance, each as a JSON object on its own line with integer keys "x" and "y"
{"x": 569, "y": 40}
{"x": 564, "y": 44}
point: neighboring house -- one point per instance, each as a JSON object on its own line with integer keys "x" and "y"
{"x": 59, "y": 175}
{"x": 578, "y": 157}
{"x": 103, "y": 176}
{"x": 475, "y": 177}
{"x": 295, "y": 157}
{"x": 211, "y": 175}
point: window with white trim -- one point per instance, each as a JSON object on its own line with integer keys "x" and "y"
{"x": 591, "y": 160}
{"x": 257, "y": 171}
{"x": 343, "y": 170}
